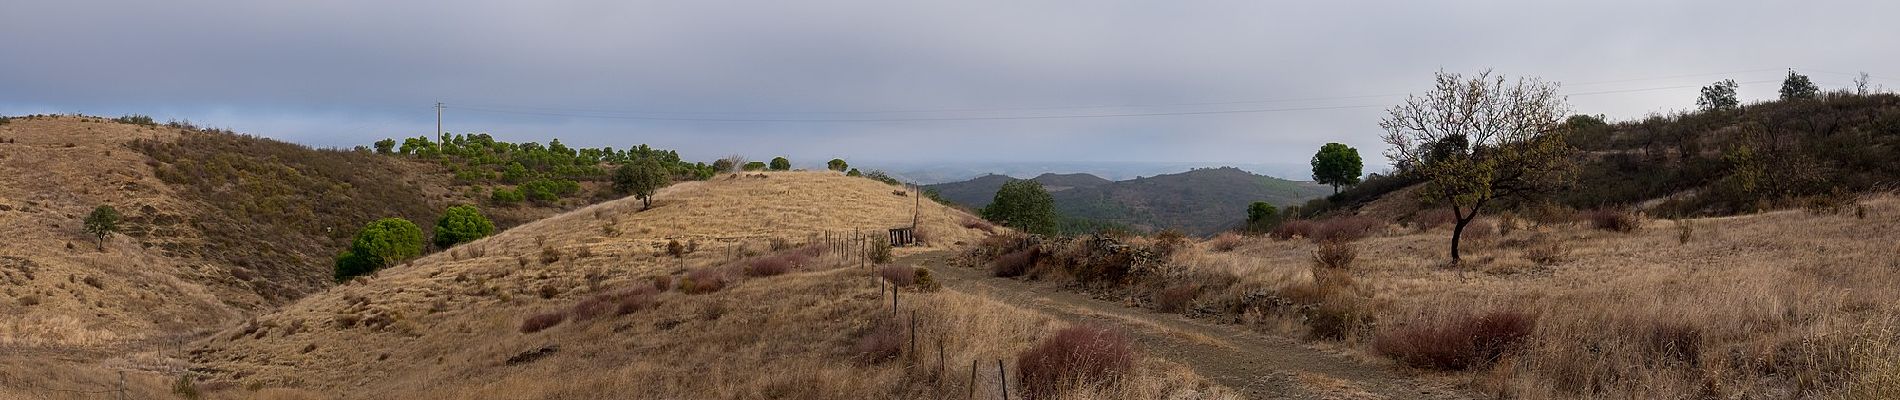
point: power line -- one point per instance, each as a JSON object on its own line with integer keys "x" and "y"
{"x": 666, "y": 115}
{"x": 915, "y": 119}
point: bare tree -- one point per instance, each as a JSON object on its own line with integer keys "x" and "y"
{"x": 1861, "y": 83}
{"x": 1480, "y": 139}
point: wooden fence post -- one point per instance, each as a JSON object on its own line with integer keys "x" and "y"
{"x": 121, "y": 385}
{"x": 1002, "y": 377}
{"x": 972, "y": 379}
{"x": 913, "y": 332}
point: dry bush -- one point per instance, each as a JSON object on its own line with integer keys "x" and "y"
{"x": 703, "y": 280}
{"x": 1432, "y": 219}
{"x": 1338, "y": 318}
{"x": 1169, "y": 240}
{"x": 881, "y": 343}
{"x": 1226, "y": 242}
{"x": 1176, "y": 297}
{"x": 1296, "y": 228}
{"x": 663, "y": 283}
{"x": 549, "y": 254}
{"x": 771, "y": 265}
{"x": 978, "y": 224}
{"x": 1015, "y": 263}
{"x": 1674, "y": 341}
{"x": 1347, "y": 228}
{"x": 620, "y": 302}
{"x": 1551, "y": 214}
{"x": 926, "y": 281}
{"x": 1336, "y": 255}
{"x": 1457, "y": 343}
{"x": 1544, "y": 250}
{"x": 900, "y": 275}
{"x": 1685, "y": 230}
{"x": 1613, "y": 220}
{"x": 675, "y": 248}
{"x": 1079, "y": 355}
{"x": 542, "y": 321}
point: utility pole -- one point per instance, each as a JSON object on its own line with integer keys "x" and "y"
{"x": 438, "y": 120}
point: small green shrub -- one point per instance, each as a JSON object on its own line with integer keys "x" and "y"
{"x": 461, "y": 224}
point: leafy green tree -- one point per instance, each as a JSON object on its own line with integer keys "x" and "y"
{"x": 102, "y": 222}
{"x": 781, "y": 164}
{"x": 755, "y": 166}
{"x": 1337, "y": 164}
{"x": 380, "y": 244}
{"x": 1025, "y": 206}
{"x": 1719, "y": 96}
{"x": 1798, "y": 87}
{"x": 1261, "y": 212}
{"x": 640, "y": 178}
{"x": 837, "y": 164}
{"x": 723, "y": 165}
{"x": 461, "y": 224}
{"x": 507, "y": 196}
{"x": 853, "y": 172}
{"x": 516, "y": 173}
{"x": 1473, "y": 141}
{"x": 385, "y": 146}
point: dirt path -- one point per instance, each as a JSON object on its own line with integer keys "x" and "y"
{"x": 1255, "y": 364}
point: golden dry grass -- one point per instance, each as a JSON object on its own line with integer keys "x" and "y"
{"x": 1776, "y": 305}
{"x": 446, "y": 325}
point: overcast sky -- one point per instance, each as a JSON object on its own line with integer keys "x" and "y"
{"x": 697, "y": 75}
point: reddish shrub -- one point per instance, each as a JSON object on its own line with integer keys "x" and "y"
{"x": 704, "y": 280}
{"x": 1459, "y": 343}
{"x": 1089, "y": 355}
{"x": 539, "y": 322}
{"x": 663, "y": 283}
{"x": 1177, "y": 297}
{"x": 1614, "y": 220}
{"x": 1335, "y": 319}
{"x": 1015, "y": 263}
{"x": 769, "y": 265}
{"x": 900, "y": 275}
{"x": 1295, "y": 228}
{"x": 882, "y": 343}
{"x": 621, "y": 302}
{"x": 1433, "y": 218}
{"x": 1169, "y": 240}
{"x": 1348, "y": 228}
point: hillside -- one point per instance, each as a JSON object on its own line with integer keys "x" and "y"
{"x": 1199, "y": 202}
{"x": 449, "y": 325}
{"x": 977, "y": 193}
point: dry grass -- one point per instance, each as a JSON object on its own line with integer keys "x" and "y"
{"x": 450, "y": 327}
{"x": 1776, "y": 305}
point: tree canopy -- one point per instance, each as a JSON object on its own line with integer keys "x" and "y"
{"x": 1719, "y": 96}
{"x": 380, "y": 244}
{"x": 781, "y": 164}
{"x": 1474, "y": 140}
{"x": 1798, "y": 87}
{"x": 641, "y": 179}
{"x": 1337, "y": 165}
{"x": 1025, "y": 206}
{"x": 837, "y": 164}
{"x": 461, "y": 224}
{"x": 102, "y": 222}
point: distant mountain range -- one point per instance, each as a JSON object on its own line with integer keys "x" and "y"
{"x": 1200, "y": 201}
{"x": 955, "y": 171}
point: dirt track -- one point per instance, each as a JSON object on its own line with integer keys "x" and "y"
{"x": 1254, "y": 364}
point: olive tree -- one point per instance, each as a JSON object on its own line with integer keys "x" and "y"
{"x": 837, "y": 164}
{"x": 1474, "y": 140}
{"x": 102, "y": 222}
{"x": 1337, "y": 164}
{"x": 640, "y": 178}
{"x": 781, "y": 164}
{"x": 1719, "y": 96}
{"x": 1023, "y": 205}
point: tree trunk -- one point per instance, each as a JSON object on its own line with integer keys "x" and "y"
{"x": 1458, "y": 231}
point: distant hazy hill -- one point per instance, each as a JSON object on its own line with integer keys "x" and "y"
{"x": 1201, "y": 201}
